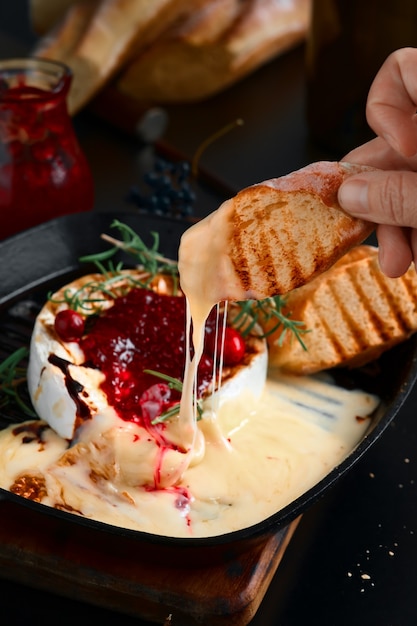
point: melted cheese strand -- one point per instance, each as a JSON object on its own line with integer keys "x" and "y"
{"x": 221, "y": 360}
{"x": 218, "y": 372}
{"x": 216, "y": 338}
{"x": 188, "y": 407}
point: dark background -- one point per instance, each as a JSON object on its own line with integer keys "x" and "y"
{"x": 367, "y": 524}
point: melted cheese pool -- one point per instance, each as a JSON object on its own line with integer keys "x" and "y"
{"x": 259, "y": 456}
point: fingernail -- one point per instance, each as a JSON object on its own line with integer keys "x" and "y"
{"x": 353, "y": 196}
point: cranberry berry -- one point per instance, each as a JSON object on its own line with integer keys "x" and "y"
{"x": 69, "y": 325}
{"x": 234, "y": 345}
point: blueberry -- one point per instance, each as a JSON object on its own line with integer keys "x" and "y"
{"x": 160, "y": 165}
{"x": 169, "y": 192}
{"x": 151, "y": 179}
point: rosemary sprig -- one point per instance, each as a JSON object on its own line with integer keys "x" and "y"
{"x": 148, "y": 258}
{"x": 173, "y": 383}
{"x": 13, "y": 380}
{"x": 252, "y": 312}
{"x": 92, "y": 296}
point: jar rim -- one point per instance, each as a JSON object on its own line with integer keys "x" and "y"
{"x": 50, "y": 76}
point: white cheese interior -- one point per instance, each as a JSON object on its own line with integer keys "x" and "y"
{"x": 258, "y": 457}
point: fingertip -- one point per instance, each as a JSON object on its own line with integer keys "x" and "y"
{"x": 391, "y": 267}
{"x": 353, "y": 196}
{"x": 394, "y": 253}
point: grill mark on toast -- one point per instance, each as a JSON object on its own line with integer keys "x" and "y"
{"x": 319, "y": 253}
{"x": 354, "y": 316}
{"x": 408, "y": 284}
{"x": 404, "y": 323}
{"x": 266, "y": 262}
{"x": 239, "y": 260}
{"x": 341, "y": 348}
{"x": 358, "y": 334}
{"x": 337, "y": 346}
{"x": 266, "y": 238}
{"x": 254, "y": 250}
{"x": 376, "y": 323}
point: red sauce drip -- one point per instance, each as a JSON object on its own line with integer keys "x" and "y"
{"x": 142, "y": 330}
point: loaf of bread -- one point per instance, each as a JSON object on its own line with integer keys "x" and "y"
{"x": 194, "y": 61}
{"x": 352, "y": 312}
{"x": 164, "y": 50}
{"x": 96, "y": 40}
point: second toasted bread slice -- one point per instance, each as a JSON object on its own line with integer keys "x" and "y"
{"x": 353, "y": 313}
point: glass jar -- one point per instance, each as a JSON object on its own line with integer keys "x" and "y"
{"x": 43, "y": 172}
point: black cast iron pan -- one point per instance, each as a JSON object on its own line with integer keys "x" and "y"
{"x": 43, "y": 258}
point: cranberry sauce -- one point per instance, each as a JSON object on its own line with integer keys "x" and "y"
{"x": 141, "y": 331}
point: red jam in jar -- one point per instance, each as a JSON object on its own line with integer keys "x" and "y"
{"x": 43, "y": 172}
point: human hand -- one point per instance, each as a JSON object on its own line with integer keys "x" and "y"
{"x": 388, "y": 195}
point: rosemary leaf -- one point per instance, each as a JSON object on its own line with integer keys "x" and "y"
{"x": 12, "y": 379}
{"x": 173, "y": 383}
{"x": 269, "y": 309}
{"x": 171, "y": 412}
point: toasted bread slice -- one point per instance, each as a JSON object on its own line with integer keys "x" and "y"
{"x": 288, "y": 230}
{"x": 271, "y": 237}
{"x": 353, "y": 313}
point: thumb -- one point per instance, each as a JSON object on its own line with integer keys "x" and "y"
{"x": 382, "y": 197}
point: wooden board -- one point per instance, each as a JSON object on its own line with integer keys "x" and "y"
{"x": 69, "y": 559}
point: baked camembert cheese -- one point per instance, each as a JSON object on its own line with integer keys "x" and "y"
{"x": 99, "y": 450}
{"x": 157, "y": 414}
